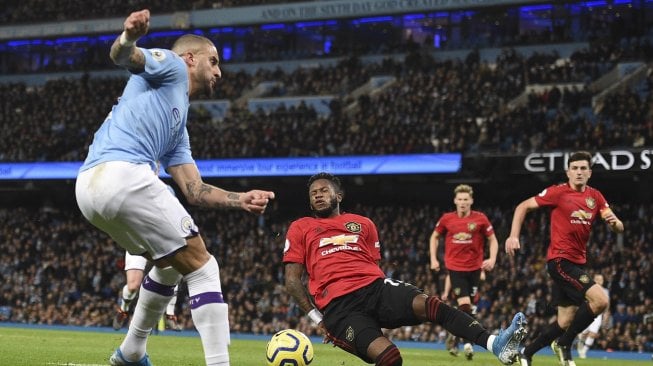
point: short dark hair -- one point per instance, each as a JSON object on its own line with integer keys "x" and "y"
{"x": 190, "y": 42}
{"x": 580, "y": 156}
{"x": 335, "y": 181}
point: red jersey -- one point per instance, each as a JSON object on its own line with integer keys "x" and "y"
{"x": 572, "y": 215}
{"x": 464, "y": 241}
{"x": 340, "y": 254}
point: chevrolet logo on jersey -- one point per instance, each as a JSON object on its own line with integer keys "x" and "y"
{"x": 581, "y": 217}
{"x": 462, "y": 238}
{"x": 341, "y": 239}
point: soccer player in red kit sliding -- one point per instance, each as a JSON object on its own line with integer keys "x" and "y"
{"x": 465, "y": 232}
{"x": 574, "y": 207}
{"x": 341, "y": 254}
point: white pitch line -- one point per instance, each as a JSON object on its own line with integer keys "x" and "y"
{"x": 72, "y": 364}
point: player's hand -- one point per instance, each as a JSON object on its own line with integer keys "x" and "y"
{"x": 435, "y": 265}
{"x": 609, "y": 216}
{"x": 444, "y": 297}
{"x": 512, "y": 245}
{"x": 256, "y": 201}
{"x": 488, "y": 264}
{"x": 137, "y": 24}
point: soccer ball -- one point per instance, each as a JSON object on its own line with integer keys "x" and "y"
{"x": 289, "y": 348}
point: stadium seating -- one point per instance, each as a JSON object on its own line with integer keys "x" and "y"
{"x": 46, "y": 245}
{"x": 474, "y": 100}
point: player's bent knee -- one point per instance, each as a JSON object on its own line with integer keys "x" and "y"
{"x": 191, "y": 257}
{"x": 420, "y": 306}
{"x": 197, "y": 248}
{"x": 389, "y": 357}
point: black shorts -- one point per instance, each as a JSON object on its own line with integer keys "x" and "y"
{"x": 465, "y": 283}
{"x": 570, "y": 282}
{"x": 356, "y": 319}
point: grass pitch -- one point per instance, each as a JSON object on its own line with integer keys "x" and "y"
{"x": 30, "y": 347}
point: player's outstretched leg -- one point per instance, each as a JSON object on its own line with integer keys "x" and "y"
{"x": 506, "y": 345}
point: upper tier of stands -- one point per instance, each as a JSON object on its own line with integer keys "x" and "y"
{"x": 23, "y": 11}
{"x": 431, "y": 106}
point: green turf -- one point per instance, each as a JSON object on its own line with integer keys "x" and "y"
{"x": 29, "y": 347}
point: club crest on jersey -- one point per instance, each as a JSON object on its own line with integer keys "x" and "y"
{"x": 158, "y": 55}
{"x": 187, "y": 224}
{"x": 350, "y": 334}
{"x": 590, "y": 202}
{"x": 471, "y": 226}
{"x": 354, "y": 227}
{"x": 176, "y": 117}
{"x": 584, "y": 279}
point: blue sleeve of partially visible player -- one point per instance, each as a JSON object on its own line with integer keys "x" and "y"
{"x": 163, "y": 66}
{"x": 180, "y": 155}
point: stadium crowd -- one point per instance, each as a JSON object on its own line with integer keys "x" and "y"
{"x": 433, "y": 106}
{"x": 58, "y": 270}
{"x": 19, "y": 12}
{"x": 615, "y": 32}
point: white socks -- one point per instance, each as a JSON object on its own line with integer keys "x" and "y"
{"x": 170, "y": 309}
{"x": 156, "y": 291}
{"x": 589, "y": 341}
{"x": 127, "y": 298}
{"x": 209, "y": 312}
{"x": 490, "y": 341}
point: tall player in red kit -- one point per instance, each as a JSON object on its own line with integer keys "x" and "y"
{"x": 574, "y": 207}
{"x": 465, "y": 232}
{"x": 350, "y": 298}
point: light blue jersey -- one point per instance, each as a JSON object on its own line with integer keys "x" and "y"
{"x": 149, "y": 122}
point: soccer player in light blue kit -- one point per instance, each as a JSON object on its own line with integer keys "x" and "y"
{"x": 118, "y": 192}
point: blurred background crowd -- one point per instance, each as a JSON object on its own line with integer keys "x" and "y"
{"x": 455, "y": 79}
{"x": 58, "y": 270}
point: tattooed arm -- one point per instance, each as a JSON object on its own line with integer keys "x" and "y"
{"x": 198, "y": 193}
{"x": 295, "y": 287}
{"x": 124, "y": 51}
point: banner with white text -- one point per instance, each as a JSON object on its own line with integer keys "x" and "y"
{"x": 269, "y": 167}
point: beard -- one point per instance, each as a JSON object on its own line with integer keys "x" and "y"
{"x": 326, "y": 212}
{"x": 208, "y": 90}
